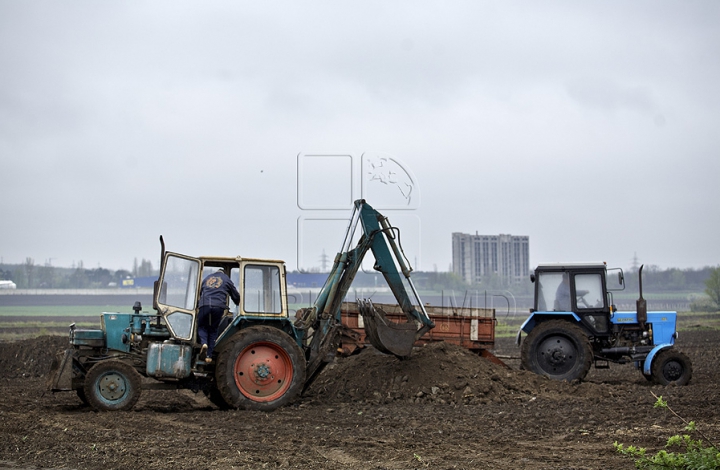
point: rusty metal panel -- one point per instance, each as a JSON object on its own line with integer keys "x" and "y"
{"x": 472, "y": 328}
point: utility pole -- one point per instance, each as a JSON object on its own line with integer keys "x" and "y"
{"x": 324, "y": 261}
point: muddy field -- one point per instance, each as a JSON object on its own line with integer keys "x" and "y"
{"x": 443, "y": 408}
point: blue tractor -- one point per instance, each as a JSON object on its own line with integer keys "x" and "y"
{"x": 574, "y": 324}
{"x": 263, "y": 358}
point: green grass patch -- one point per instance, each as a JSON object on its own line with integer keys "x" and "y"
{"x": 46, "y": 324}
{"x": 62, "y": 311}
{"x": 8, "y": 337}
{"x": 507, "y": 330}
{"x": 695, "y": 320}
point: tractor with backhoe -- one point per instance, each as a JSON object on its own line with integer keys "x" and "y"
{"x": 263, "y": 358}
{"x": 574, "y": 325}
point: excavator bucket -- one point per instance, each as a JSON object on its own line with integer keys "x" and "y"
{"x": 387, "y": 336}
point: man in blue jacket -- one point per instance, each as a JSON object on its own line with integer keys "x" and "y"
{"x": 213, "y": 301}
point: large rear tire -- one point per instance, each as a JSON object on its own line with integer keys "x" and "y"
{"x": 112, "y": 385}
{"x": 260, "y": 368}
{"x": 557, "y": 349}
{"x": 671, "y": 367}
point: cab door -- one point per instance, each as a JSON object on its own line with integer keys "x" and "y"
{"x": 176, "y": 294}
{"x": 590, "y": 299}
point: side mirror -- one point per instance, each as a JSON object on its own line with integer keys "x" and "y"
{"x": 621, "y": 278}
{"x": 532, "y": 278}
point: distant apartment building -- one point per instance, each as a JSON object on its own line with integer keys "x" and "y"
{"x": 477, "y": 256}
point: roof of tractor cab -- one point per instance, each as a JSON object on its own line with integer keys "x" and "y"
{"x": 236, "y": 259}
{"x": 568, "y": 266}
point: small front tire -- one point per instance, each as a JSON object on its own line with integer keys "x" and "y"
{"x": 112, "y": 385}
{"x": 671, "y": 367}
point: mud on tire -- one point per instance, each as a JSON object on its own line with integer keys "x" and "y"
{"x": 260, "y": 368}
{"x": 557, "y": 349}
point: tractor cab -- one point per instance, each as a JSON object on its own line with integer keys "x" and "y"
{"x": 261, "y": 284}
{"x": 582, "y": 290}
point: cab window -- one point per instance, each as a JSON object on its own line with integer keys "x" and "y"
{"x": 261, "y": 289}
{"x": 553, "y": 292}
{"x": 588, "y": 291}
{"x": 180, "y": 282}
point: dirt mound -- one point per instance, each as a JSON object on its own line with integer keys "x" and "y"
{"x": 439, "y": 372}
{"x": 30, "y": 357}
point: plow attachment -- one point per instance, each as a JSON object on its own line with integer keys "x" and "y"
{"x": 387, "y": 336}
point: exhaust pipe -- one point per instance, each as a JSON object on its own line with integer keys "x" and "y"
{"x": 641, "y": 304}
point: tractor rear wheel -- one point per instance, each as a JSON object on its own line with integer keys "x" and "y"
{"x": 112, "y": 385}
{"x": 671, "y": 367}
{"x": 260, "y": 368}
{"x": 557, "y": 349}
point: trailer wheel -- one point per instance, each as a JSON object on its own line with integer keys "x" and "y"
{"x": 671, "y": 367}
{"x": 112, "y": 385}
{"x": 260, "y": 368}
{"x": 557, "y": 349}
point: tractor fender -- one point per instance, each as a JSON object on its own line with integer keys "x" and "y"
{"x": 649, "y": 359}
{"x": 536, "y": 317}
{"x": 239, "y": 323}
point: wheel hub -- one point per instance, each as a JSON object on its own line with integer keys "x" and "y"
{"x": 112, "y": 386}
{"x": 263, "y": 372}
{"x": 556, "y": 355}
{"x": 672, "y": 371}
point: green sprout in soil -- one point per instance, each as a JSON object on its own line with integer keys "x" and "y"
{"x": 689, "y": 453}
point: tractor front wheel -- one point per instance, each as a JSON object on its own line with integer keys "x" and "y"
{"x": 557, "y": 349}
{"x": 112, "y": 385}
{"x": 260, "y": 368}
{"x": 671, "y": 367}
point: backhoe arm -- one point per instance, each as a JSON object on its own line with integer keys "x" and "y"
{"x": 324, "y": 318}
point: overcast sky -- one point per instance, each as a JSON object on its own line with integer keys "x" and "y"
{"x": 246, "y": 128}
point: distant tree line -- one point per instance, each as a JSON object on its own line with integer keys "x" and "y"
{"x": 655, "y": 280}
{"x": 29, "y": 275}
{"x": 712, "y": 290}
{"x": 669, "y": 280}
